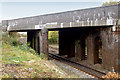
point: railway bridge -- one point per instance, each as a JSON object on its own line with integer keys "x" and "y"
{"x": 84, "y": 34}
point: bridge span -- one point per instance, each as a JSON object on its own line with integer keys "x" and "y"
{"x": 94, "y": 28}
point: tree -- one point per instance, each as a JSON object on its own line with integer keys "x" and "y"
{"x": 110, "y": 2}
{"x": 53, "y": 37}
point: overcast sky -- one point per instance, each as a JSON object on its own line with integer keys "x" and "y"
{"x": 55, "y": 0}
{"x": 11, "y": 9}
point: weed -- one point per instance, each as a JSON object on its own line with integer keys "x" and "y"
{"x": 112, "y": 75}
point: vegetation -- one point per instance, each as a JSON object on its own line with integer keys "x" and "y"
{"x": 112, "y": 76}
{"x": 53, "y": 37}
{"x": 22, "y": 63}
{"x": 110, "y": 2}
{"x": 11, "y": 38}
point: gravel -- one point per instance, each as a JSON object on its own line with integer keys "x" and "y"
{"x": 71, "y": 70}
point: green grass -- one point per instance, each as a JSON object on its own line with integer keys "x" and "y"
{"x": 27, "y": 59}
{"x": 11, "y": 53}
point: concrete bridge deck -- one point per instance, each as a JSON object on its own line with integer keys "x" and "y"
{"x": 99, "y": 16}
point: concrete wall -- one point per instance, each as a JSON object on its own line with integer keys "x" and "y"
{"x": 110, "y": 49}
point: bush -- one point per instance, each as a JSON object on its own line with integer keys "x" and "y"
{"x": 10, "y": 39}
{"x": 25, "y": 47}
{"x": 13, "y": 42}
{"x": 110, "y": 2}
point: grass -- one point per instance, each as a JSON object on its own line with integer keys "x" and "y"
{"x": 30, "y": 64}
{"x": 11, "y": 53}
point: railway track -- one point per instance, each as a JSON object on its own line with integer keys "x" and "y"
{"x": 88, "y": 70}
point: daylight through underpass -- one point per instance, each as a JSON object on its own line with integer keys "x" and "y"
{"x": 53, "y": 42}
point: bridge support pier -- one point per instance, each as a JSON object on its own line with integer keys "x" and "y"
{"x": 80, "y": 50}
{"x": 93, "y": 48}
{"x": 44, "y": 41}
{"x": 90, "y": 49}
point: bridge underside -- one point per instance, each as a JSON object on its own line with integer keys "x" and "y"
{"x": 86, "y": 43}
{"x": 94, "y": 45}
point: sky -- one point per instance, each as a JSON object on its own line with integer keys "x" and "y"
{"x": 12, "y": 9}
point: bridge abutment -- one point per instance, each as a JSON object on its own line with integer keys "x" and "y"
{"x": 110, "y": 49}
